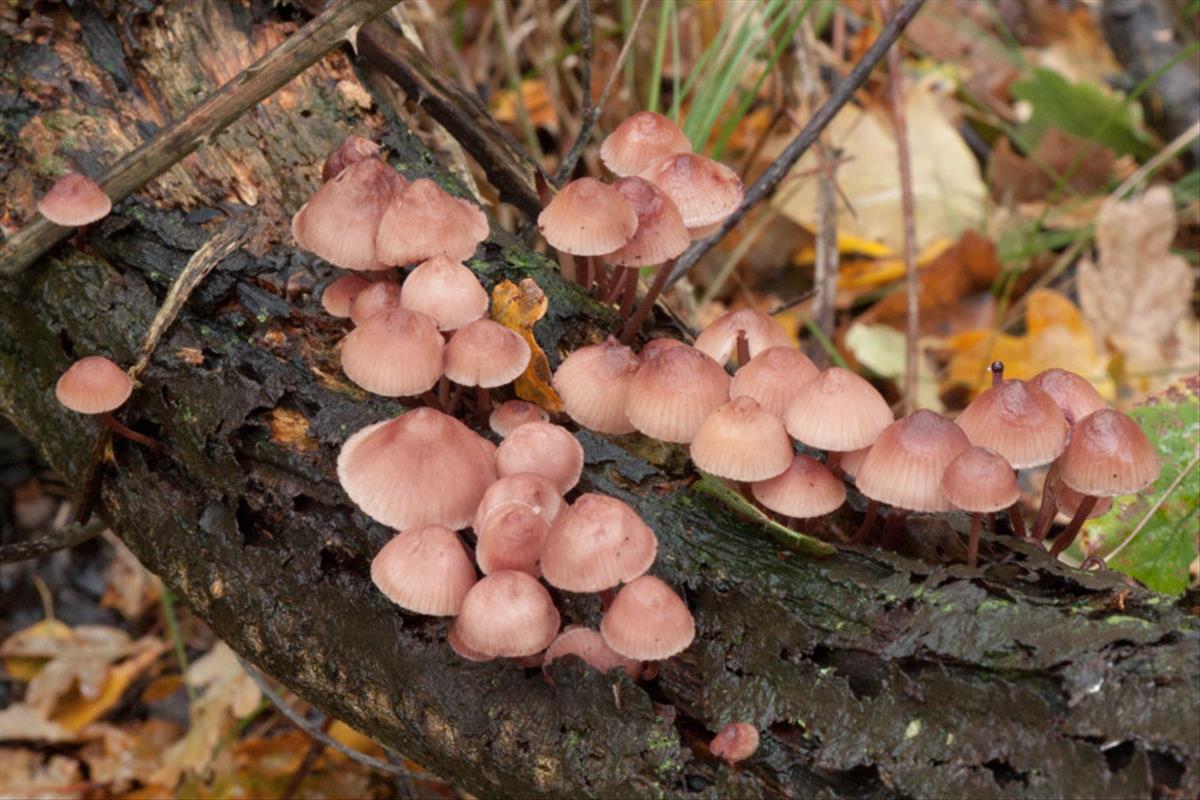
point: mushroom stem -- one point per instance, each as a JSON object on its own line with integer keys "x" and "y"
{"x": 583, "y": 272}
{"x": 864, "y": 531}
{"x": 891, "y": 531}
{"x": 973, "y": 540}
{"x": 544, "y": 190}
{"x": 116, "y": 427}
{"x": 1045, "y": 515}
{"x": 454, "y": 400}
{"x": 634, "y": 323}
{"x": 743, "y": 349}
{"x": 1072, "y": 530}
{"x": 615, "y": 286}
{"x": 997, "y": 369}
{"x": 606, "y": 598}
{"x": 600, "y": 277}
{"x": 630, "y": 295}
{"x": 1017, "y": 522}
{"x": 443, "y": 393}
{"x": 483, "y": 402}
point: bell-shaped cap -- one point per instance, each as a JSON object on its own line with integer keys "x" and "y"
{"x": 588, "y": 218}
{"x": 456, "y": 644}
{"x": 639, "y": 141}
{"x": 806, "y": 489}
{"x": 338, "y": 297}
{"x": 508, "y": 614}
{"x": 1108, "y": 455}
{"x": 421, "y": 468}
{"x": 485, "y": 353}
{"x": 74, "y": 200}
{"x": 742, "y": 441}
{"x": 339, "y": 222}
{"x": 648, "y": 621}
{"x": 655, "y": 346}
{"x": 1076, "y": 397}
{"x": 1017, "y": 420}
{"x": 426, "y": 570}
{"x": 1068, "y": 502}
{"x": 537, "y": 492}
{"x": 980, "y": 481}
{"x": 511, "y": 537}
{"x": 837, "y": 410}
{"x": 736, "y": 742}
{"x": 593, "y": 383}
{"x": 595, "y": 544}
{"x": 424, "y": 222}
{"x": 373, "y": 298}
{"x": 352, "y": 150}
{"x": 589, "y": 645}
{"x": 395, "y": 353}
{"x": 93, "y": 385}
{"x": 543, "y": 449}
{"x": 512, "y": 414}
{"x": 672, "y": 393}
{"x": 851, "y": 461}
{"x": 660, "y": 234}
{"x": 704, "y": 191}
{"x": 719, "y": 339}
{"x": 445, "y": 290}
{"x": 904, "y": 467}
{"x": 772, "y": 378}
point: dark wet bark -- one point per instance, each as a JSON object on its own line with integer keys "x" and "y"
{"x": 869, "y": 674}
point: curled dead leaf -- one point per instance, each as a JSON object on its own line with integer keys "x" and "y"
{"x": 519, "y": 307}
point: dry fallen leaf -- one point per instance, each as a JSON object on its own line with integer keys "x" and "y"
{"x": 131, "y": 588}
{"x": 537, "y": 105}
{"x": 519, "y": 307}
{"x": 28, "y": 773}
{"x": 1086, "y": 167}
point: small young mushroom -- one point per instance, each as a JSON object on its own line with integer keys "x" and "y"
{"x": 744, "y": 333}
{"x": 742, "y": 441}
{"x": 1017, "y": 420}
{"x": 508, "y": 614}
{"x": 595, "y": 544}
{"x": 512, "y": 414}
{"x": 837, "y": 411}
{"x": 704, "y": 191}
{"x": 352, "y": 150}
{"x": 588, "y": 218}
{"x": 772, "y": 378}
{"x": 660, "y": 238}
{"x": 423, "y": 221}
{"x": 537, "y": 492}
{"x": 511, "y": 537}
{"x": 735, "y": 742}
{"x": 338, "y": 297}
{"x": 647, "y": 621}
{"x": 806, "y": 489}
{"x": 673, "y": 392}
{"x": 445, "y": 290}
{"x": 593, "y": 383}
{"x": 426, "y": 570}
{"x": 95, "y": 385}
{"x": 339, "y": 221}
{"x": 981, "y": 482}
{"x": 543, "y": 449}
{"x": 485, "y": 354}
{"x": 639, "y": 141}
{"x": 395, "y": 353}
{"x": 374, "y": 298}
{"x": 587, "y": 644}
{"x": 73, "y": 201}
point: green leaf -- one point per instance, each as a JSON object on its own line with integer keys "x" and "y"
{"x": 719, "y": 489}
{"x": 1083, "y": 109}
{"x": 1160, "y": 554}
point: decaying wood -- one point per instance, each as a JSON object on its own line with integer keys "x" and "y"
{"x": 869, "y": 674}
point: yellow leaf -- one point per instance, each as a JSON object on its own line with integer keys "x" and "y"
{"x": 76, "y": 711}
{"x": 343, "y": 733}
{"x": 24, "y": 668}
{"x": 519, "y": 307}
{"x": 537, "y": 104}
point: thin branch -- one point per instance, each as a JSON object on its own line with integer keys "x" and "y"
{"x": 61, "y": 539}
{"x": 775, "y": 173}
{"x": 254, "y": 84}
{"x": 508, "y": 51}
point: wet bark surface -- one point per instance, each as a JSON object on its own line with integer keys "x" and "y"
{"x": 870, "y": 674}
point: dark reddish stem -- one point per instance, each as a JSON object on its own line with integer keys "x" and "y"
{"x": 111, "y": 423}
{"x": 864, "y": 531}
{"x": 606, "y": 598}
{"x": 483, "y": 402}
{"x": 600, "y": 277}
{"x": 545, "y": 193}
{"x": 1072, "y": 530}
{"x": 973, "y": 540}
{"x": 895, "y": 526}
{"x": 1017, "y": 522}
{"x": 629, "y": 297}
{"x": 443, "y": 394}
{"x": 1045, "y": 516}
{"x": 634, "y": 323}
{"x": 743, "y": 349}
{"x": 583, "y": 271}
{"x": 833, "y": 460}
{"x": 997, "y": 369}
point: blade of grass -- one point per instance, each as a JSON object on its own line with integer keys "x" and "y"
{"x": 168, "y": 604}
{"x": 826, "y": 344}
{"x": 675, "y": 56}
{"x": 660, "y": 51}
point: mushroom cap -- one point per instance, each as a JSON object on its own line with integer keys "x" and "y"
{"x": 537, "y": 492}
{"x": 595, "y": 544}
{"x": 593, "y": 383}
{"x": 74, "y": 200}
{"x": 837, "y": 410}
{"x": 395, "y": 353}
{"x": 719, "y": 339}
{"x": 485, "y": 353}
{"x": 1075, "y": 395}
{"x": 1017, "y": 420}
{"x": 511, "y": 537}
{"x": 648, "y": 621}
{"x": 338, "y": 223}
{"x": 421, "y": 468}
{"x": 543, "y": 449}
{"x": 704, "y": 191}
{"x": 980, "y": 481}
{"x": 1108, "y": 455}
{"x": 742, "y": 441}
{"x": 456, "y": 644}
{"x": 772, "y": 378}
{"x": 672, "y": 393}
{"x": 426, "y": 570}
{"x": 904, "y": 467}
{"x": 445, "y": 290}
{"x": 655, "y": 346}
{"x": 93, "y": 385}
{"x": 806, "y": 489}
{"x": 660, "y": 234}
{"x": 508, "y": 614}
{"x": 512, "y": 414}
{"x": 589, "y": 645}
{"x": 588, "y": 218}
{"x": 339, "y": 294}
{"x": 352, "y": 150}
{"x": 639, "y": 141}
{"x": 373, "y": 298}
{"x": 851, "y": 460}
{"x": 736, "y": 742}
{"x": 1067, "y": 500}
{"x": 424, "y": 221}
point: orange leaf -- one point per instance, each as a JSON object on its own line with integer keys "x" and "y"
{"x": 519, "y": 307}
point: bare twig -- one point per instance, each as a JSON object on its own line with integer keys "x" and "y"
{"x": 586, "y": 117}
{"x": 509, "y": 56}
{"x": 61, "y": 539}
{"x": 213, "y": 114}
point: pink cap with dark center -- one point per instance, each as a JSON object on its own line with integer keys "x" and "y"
{"x": 537, "y": 492}
{"x": 338, "y": 223}
{"x": 589, "y": 645}
{"x": 373, "y": 298}
{"x": 655, "y": 346}
{"x": 660, "y": 234}
{"x": 772, "y": 378}
{"x": 672, "y": 393}
{"x": 512, "y": 414}
{"x": 648, "y": 621}
{"x": 639, "y": 141}
{"x": 1068, "y": 501}
{"x": 742, "y": 441}
{"x": 593, "y": 383}
{"x": 588, "y": 218}
{"x": 421, "y": 468}
{"x": 904, "y": 467}
{"x": 395, "y": 353}
{"x": 837, "y": 410}
{"x": 339, "y": 295}
{"x": 1076, "y": 397}
{"x": 704, "y": 191}
{"x": 1108, "y": 455}
{"x": 807, "y": 489}
{"x": 719, "y": 339}
{"x": 543, "y": 449}
{"x": 93, "y": 385}
{"x": 980, "y": 481}
{"x": 595, "y": 544}
{"x": 74, "y": 200}
{"x": 1017, "y": 420}
{"x": 352, "y": 150}
{"x": 445, "y": 290}
{"x": 736, "y": 742}
{"x": 485, "y": 353}
{"x": 425, "y": 570}
{"x": 508, "y": 614}
{"x": 511, "y": 537}
{"x": 424, "y": 222}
